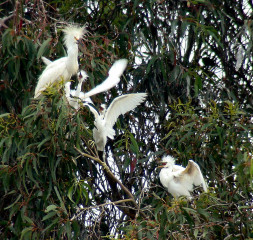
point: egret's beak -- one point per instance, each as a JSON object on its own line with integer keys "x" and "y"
{"x": 78, "y": 41}
{"x": 162, "y": 164}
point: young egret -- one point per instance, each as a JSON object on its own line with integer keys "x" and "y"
{"x": 178, "y": 180}
{"x": 74, "y": 96}
{"x": 112, "y": 80}
{"x": 64, "y": 67}
{"x": 105, "y": 120}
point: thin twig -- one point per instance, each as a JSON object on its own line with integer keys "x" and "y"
{"x": 98, "y": 206}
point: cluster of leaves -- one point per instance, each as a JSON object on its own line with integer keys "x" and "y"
{"x": 206, "y": 217}
{"x": 40, "y": 183}
{"x": 219, "y": 140}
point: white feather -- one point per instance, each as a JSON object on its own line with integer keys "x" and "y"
{"x": 46, "y": 60}
{"x": 112, "y": 80}
{"x": 64, "y": 67}
{"x": 179, "y": 181}
{"x": 104, "y": 122}
{"x": 74, "y": 97}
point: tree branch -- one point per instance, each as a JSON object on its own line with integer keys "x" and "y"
{"x": 98, "y": 206}
{"x": 108, "y": 171}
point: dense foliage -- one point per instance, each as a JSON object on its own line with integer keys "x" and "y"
{"x": 193, "y": 58}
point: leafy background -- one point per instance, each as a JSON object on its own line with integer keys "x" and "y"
{"x": 193, "y": 58}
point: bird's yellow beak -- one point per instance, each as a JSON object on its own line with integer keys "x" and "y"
{"x": 162, "y": 164}
{"x": 78, "y": 41}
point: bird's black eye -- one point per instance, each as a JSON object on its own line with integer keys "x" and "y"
{"x": 80, "y": 75}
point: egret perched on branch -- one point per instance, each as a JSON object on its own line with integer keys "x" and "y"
{"x": 178, "y": 180}
{"x": 64, "y": 67}
{"x": 112, "y": 80}
{"x": 105, "y": 120}
{"x": 74, "y": 96}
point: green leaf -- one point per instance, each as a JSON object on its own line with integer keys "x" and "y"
{"x": 59, "y": 197}
{"x": 68, "y": 229}
{"x": 55, "y": 221}
{"x": 29, "y": 220}
{"x": 19, "y": 196}
{"x": 26, "y": 233}
{"x": 49, "y": 215}
{"x": 134, "y": 146}
{"x": 4, "y": 115}
{"x": 44, "y": 141}
{"x": 51, "y": 208}
{"x": 70, "y": 193}
{"x": 43, "y": 48}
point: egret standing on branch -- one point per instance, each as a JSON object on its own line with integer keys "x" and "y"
{"x": 105, "y": 120}
{"x": 178, "y": 180}
{"x": 112, "y": 80}
{"x": 64, "y": 67}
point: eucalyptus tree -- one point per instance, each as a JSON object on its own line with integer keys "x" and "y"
{"x": 192, "y": 58}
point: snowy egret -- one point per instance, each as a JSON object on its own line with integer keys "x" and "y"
{"x": 105, "y": 120}
{"x": 112, "y": 80}
{"x": 64, "y": 67}
{"x": 74, "y": 97}
{"x": 178, "y": 180}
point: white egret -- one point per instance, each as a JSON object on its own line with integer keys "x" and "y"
{"x": 112, "y": 80}
{"x": 105, "y": 120}
{"x": 46, "y": 60}
{"x": 64, "y": 67}
{"x": 178, "y": 180}
{"x": 74, "y": 96}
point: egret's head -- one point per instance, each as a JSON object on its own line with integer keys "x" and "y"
{"x": 102, "y": 108}
{"x": 73, "y": 35}
{"x": 82, "y": 75}
{"x": 167, "y": 161}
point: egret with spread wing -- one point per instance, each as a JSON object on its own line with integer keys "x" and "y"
{"x": 105, "y": 120}
{"x": 64, "y": 67}
{"x": 112, "y": 80}
{"x": 178, "y": 180}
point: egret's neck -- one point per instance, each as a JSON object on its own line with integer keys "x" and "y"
{"x": 67, "y": 89}
{"x": 72, "y": 59}
{"x": 79, "y": 87}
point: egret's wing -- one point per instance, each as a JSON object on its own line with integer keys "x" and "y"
{"x": 112, "y": 80}
{"x": 118, "y": 68}
{"x": 121, "y": 105}
{"x": 52, "y": 73}
{"x": 57, "y": 62}
{"x": 192, "y": 175}
{"x": 46, "y": 60}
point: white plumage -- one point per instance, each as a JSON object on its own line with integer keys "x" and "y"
{"x": 112, "y": 80}
{"x": 105, "y": 121}
{"x": 46, "y": 60}
{"x": 74, "y": 96}
{"x": 179, "y": 181}
{"x": 64, "y": 67}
